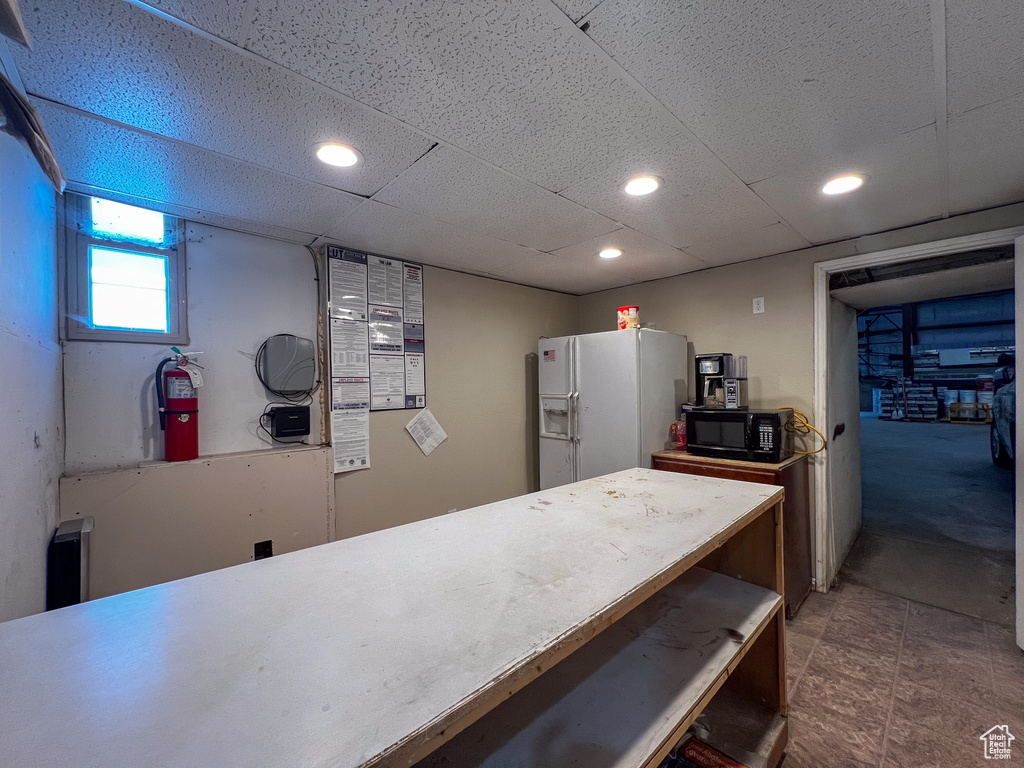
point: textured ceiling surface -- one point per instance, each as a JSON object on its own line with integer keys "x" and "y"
{"x": 497, "y": 136}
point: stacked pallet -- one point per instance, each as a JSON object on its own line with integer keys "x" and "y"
{"x": 909, "y": 400}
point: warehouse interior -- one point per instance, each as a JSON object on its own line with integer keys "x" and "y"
{"x": 938, "y": 519}
{"x": 281, "y": 283}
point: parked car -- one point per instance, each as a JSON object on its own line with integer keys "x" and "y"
{"x": 1004, "y": 424}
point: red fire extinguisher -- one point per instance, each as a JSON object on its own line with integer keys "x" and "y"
{"x": 179, "y": 410}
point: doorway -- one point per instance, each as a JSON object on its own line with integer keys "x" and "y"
{"x": 838, "y": 517}
{"x": 937, "y": 511}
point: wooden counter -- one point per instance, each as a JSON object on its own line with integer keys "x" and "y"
{"x": 790, "y": 474}
{"x": 378, "y": 649}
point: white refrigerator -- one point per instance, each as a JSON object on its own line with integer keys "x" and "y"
{"x": 607, "y": 401}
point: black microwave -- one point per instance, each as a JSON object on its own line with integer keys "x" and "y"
{"x": 744, "y": 435}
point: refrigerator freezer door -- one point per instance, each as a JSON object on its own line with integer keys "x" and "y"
{"x": 557, "y": 460}
{"x": 554, "y": 366}
{"x": 607, "y": 421}
{"x": 662, "y": 389}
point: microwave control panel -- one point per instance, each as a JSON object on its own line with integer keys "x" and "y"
{"x": 765, "y": 437}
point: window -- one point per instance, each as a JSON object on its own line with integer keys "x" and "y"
{"x": 126, "y": 273}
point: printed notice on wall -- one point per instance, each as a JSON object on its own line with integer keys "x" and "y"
{"x": 377, "y": 345}
{"x": 412, "y": 293}
{"x": 346, "y": 274}
{"x": 350, "y": 349}
{"x": 384, "y": 278}
{"x": 426, "y": 431}
{"x": 415, "y": 380}
{"x": 350, "y": 423}
{"x": 387, "y": 382}
{"x": 386, "y": 331}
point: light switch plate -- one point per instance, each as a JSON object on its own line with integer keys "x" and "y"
{"x": 759, "y": 305}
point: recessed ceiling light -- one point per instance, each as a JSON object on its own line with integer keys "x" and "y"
{"x": 610, "y": 253}
{"x": 642, "y": 185}
{"x": 842, "y": 184}
{"x": 338, "y": 154}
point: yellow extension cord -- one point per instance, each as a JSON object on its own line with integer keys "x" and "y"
{"x": 798, "y": 423}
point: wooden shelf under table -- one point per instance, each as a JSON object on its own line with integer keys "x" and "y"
{"x": 626, "y": 697}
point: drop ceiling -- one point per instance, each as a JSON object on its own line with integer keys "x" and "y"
{"x": 496, "y": 136}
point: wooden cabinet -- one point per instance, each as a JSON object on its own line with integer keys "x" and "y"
{"x": 790, "y": 474}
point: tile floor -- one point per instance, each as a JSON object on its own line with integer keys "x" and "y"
{"x": 878, "y": 680}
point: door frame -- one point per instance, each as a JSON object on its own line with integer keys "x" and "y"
{"x": 825, "y": 567}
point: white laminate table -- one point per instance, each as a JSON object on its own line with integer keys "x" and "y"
{"x": 369, "y": 651}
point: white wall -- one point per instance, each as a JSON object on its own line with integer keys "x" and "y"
{"x": 241, "y": 289}
{"x": 30, "y": 464}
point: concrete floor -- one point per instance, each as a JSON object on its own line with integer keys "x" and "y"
{"x": 938, "y": 524}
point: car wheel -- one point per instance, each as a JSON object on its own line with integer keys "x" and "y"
{"x": 999, "y": 455}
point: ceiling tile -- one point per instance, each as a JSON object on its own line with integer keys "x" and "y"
{"x": 576, "y": 9}
{"x": 902, "y": 188}
{"x": 390, "y": 231}
{"x": 113, "y": 157}
{"x": 217, "y": 17}
{"x": 128, "y": 65}
{"x": 198, "y": 215}
{"x": 700, "y": 199}
{"x": 766, "y": 241}
{"x": 508, "y": 81}
{"x": 769, "y": 85}
{"x": 984, "y": 60}
{"x": 643, "y": 258}
{"x": 449, "y": 185}
{"x": 986, "y": 156}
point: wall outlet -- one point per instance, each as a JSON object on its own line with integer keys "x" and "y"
{"x": 759, "y": 305}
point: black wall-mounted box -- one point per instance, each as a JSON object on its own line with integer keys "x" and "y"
{"x": 289, "y": 421}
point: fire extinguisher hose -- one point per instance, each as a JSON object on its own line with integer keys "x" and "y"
{"x": 161, "y": 403}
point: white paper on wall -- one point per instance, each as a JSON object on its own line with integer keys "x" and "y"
{"x": 350, "y": 349}
{"x": 387, "y": 382}
{"x": 346, "y": 287}
{"x": 426, "y": 431}
{"x": 350, "y": 423}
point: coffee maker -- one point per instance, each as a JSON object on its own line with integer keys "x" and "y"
{"x": 721, "y": 380}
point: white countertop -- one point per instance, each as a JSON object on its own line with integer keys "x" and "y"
{"x": 347, "y": 654}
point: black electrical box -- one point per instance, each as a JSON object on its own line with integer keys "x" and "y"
{"x": 289, "y": 421}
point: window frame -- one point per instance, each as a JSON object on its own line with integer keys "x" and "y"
{"x": 77, "y": 212}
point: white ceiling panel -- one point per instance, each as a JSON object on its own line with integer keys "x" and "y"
{"x": 114, "y": 157}
{"x": 220, "y": 18}
{"x": 576, "y": 9}
{"x": 509, "y": 81}
{"x": 195, "y": 214}
{"x": 986, "y": 156}
{"x": 643, "y": 258}
{"x": 902, "y": 188}
{"x": 123, "y": 63}
{"x": 699, "y": 200}
{"x": 766, "y": 241}
{"x": 984, "y": 53}
{"x": 383, "y": 229}
{"x": 769, "y": 85}
{"x": 455, "y": 187}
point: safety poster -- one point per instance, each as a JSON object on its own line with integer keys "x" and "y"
{"x": 377, "y": 345}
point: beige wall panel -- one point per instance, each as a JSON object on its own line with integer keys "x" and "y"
{"x": 482, "y": 387}
{"x": 162, "y": 522}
